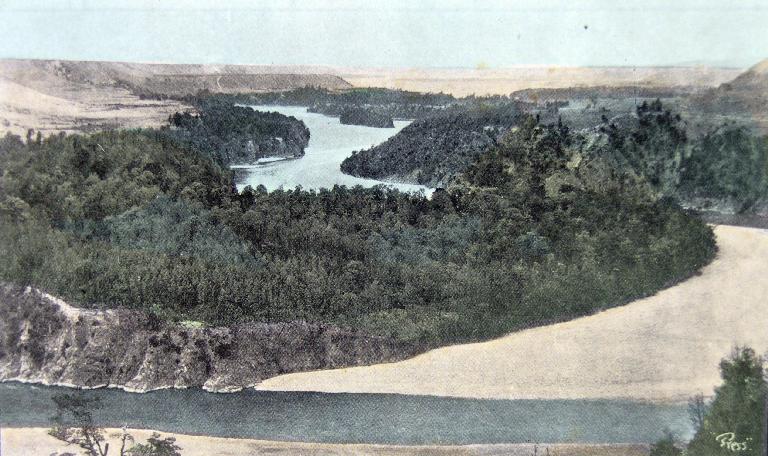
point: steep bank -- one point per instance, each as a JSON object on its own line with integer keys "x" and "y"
{"x": 42, "y": 339}
{"x": 664, "y": 347}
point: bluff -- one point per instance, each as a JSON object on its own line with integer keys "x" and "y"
{"x": 44, "y": 340}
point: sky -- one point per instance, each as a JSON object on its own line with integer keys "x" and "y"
{"x": 393, "y": 33}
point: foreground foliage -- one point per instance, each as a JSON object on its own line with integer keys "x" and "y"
{"x": 75, "y": 425}
{"x": 734, "y": 420}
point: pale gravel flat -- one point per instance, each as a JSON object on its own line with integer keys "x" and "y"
{"x": 36, "y": 441}
{"x": 663, "y": 348}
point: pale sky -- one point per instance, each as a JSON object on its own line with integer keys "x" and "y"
{"x": 400, "y": 33}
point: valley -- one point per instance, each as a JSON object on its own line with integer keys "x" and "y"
{"x": 400, "y": 262}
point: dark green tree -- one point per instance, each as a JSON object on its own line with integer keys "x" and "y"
{"x": 156, "y": 446}
{"x": 74, "y": 424}
{"x": 666, "y": 446}
{"x": 734, "y": 421}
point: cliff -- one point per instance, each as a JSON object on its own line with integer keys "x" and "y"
{"x": 44, "y": 340}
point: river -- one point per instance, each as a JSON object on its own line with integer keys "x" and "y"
{"x": 359, "y": 418}
{"x": 330, "y": 143}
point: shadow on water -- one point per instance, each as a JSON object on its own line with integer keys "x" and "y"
{"x": 359, "y": 418}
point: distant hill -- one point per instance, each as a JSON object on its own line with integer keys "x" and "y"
{"x": 744, "y": 99}
{"x": 503, "y": 81}
{"x": 171, "y": 79}
{"x": 59, "y": 95}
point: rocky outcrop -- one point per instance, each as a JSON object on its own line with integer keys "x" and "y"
{"x": 44, "y": 340}
{"x": 365, "y": 117}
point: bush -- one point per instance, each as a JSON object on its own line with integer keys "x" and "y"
{"x": 666, "y": 446}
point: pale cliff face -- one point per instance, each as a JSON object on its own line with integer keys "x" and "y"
{"x": 43, "y": 340}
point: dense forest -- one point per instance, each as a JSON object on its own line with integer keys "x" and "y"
{"x": 724, "y": 170}
{"x": 366, "y": 117}
{"x": 434, "y": 150}
{"x": 394, "y": 103}
{"x": 143, "y": 219}
{"x": 233, "y": 134}
{"x": 397, "y": 104}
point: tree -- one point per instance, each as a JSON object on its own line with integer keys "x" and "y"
{"x": 697, "y": 409}
{"x": 666, "y": 446}
{"x": 156, "y": 446}
{"x": 74, "y": 424}
{"x": 734, "y": 421}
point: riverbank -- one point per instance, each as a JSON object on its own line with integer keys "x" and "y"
{"x": 26, "y": 441}
{"x": 664, "y": 348}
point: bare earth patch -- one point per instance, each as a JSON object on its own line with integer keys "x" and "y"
{"x": 663, "y": 348}
{"x": 28, "y": 441}
{"x": 52, "y": 110}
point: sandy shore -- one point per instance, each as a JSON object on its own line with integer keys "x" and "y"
{"x": 36, "y": 441}
{"x": 666, "y": 347}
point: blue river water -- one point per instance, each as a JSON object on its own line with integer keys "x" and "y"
{"x": 358, "y": 418}
{"x": 329, "y": 144}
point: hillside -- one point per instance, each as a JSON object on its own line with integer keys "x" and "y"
{"x": 77, "y": 96}
{"x": 421, "y": 270}
{"x": 168, "y": 79}
{"x": 434, "y": 150}
{"x": 743, "y": 100}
